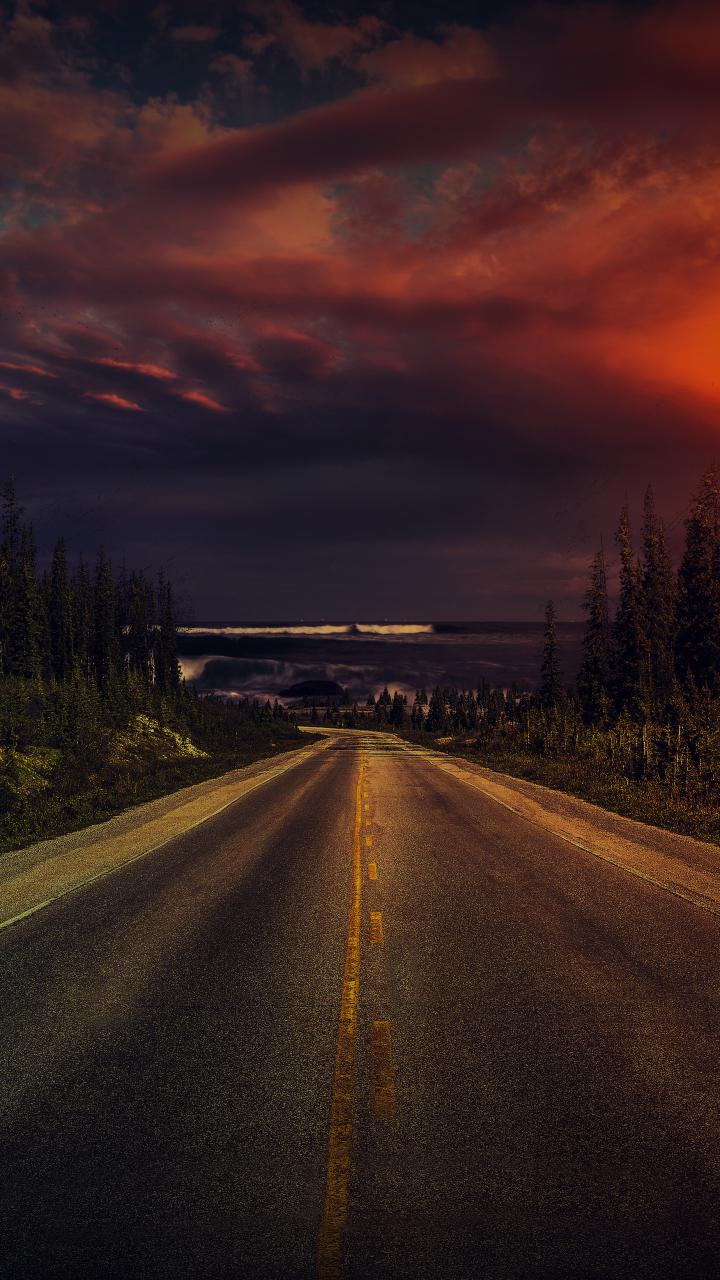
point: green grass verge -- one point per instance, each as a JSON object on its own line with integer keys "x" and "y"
{"x": 89, "y": 784}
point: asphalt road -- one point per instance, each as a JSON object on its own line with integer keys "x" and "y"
{"x": 548, "y": 1105}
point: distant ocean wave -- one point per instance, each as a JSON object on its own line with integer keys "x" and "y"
{"x": 257, "y": 659}
{"x": 317, "y": 629}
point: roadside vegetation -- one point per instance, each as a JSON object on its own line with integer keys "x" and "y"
{"x": 639, "y": 731}
{"x": 94, "y": 713}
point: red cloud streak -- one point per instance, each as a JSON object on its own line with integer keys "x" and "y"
{"x": 544, "y": 231}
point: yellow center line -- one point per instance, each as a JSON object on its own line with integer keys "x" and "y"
{"x": 337, "y": 1193}
{"x": 372, "y": 871}
{"x": 376, "y": 930}
{"x": 381, "y": 1072}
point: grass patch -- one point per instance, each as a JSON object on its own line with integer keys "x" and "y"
{"x": 46, "y": 792}
{"x": 669, "y": 802}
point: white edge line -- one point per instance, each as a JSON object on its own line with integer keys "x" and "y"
{"x": 604, "y": 857}
{"x": 5, "y": 924}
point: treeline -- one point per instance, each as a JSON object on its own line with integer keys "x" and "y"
{"x": 94, "y": 712}
{"x": 639, "y": 729}
{"x": 658, "y": 659}
{"x": 447, "y": 711}
{"x": 81, "y": 623}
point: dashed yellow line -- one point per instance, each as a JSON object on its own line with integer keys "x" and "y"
{"x": 368, "y": 840}
{"x": 372, "y": 871}
{"x": 376, "y": 929}
{"x": 381, "y": 1071}
{"x": 337, "y": 1192}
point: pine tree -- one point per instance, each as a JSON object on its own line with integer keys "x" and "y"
{"x": 398, "y": 712}
{"x": 43, "y": 628}
{"x": 594, "y": 674}
{"x": 552, "y": 693}
{"x": 659, "y": 605}
{"x": 60, "y": 615}
{"x": 21, "y": 647}
{"x": 106, "y": 650}
{"x": 9, "y": 560}
{"x": 168, "y": 674}
{"x": 698, "y": 647}
{"x": 83, "y": 618}
{"x": 483, "y": 694}
{"x": 436, "y": 718}
{"x": 627, "y": 628}
{"x": 140, "y": 622}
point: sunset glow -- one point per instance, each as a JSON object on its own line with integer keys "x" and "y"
{"x": 484, "y": 259}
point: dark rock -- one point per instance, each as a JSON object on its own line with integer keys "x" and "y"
{"x": 313, "y": 689}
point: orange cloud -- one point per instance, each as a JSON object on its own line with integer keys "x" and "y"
{"x": 410, "y": 61}
{"x": 108, "y": 397}
{"x": 15, "y": 392}
{"x": 539, "y": 198}
{"x": 27, "y": 368}
{"x": 152, "y": 370}
{"x": 197, "y": 397}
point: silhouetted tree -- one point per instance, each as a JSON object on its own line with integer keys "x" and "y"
{"x": 659, "y": 610}
{"x": 698, "y": 645}
{"x": 594, "y": 674}
{"x": 60, "y": 615}
{"x": 627, "y": 628}
{"x": 551, "y": 688}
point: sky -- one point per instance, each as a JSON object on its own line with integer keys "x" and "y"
{"x": 358, "y": 311}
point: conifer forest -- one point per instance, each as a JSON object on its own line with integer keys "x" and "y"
{"x": 637, "y": 730}
{"x": 94, "y": 713}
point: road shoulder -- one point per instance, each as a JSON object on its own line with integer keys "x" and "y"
{"x": 33, "y": 877}
{"x": 679, "y": 864}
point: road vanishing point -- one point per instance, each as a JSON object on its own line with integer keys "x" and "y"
{"x": 363, "y": 1011}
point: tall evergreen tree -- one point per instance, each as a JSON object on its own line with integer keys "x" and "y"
{"x": 21, "y": 648}
{"x": 141, "y": 624}
{"x": 83, "y": 618}
{"x": 168, "y": 675}
{"x": 436, "y": 718}
{"x": 698, "y": 649}
{"x": 106, "y": 649}
{"x": 594, "y": 674}
{"x": 9, "y": 558}
{"x": 627, "y": 630}
{"x": 659, "y": 610}
{"x": 43, "y": 627}
{"x": 398, "y": 712}
{"x": 552, "y": 693}
{"x": 60, "y": 615}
